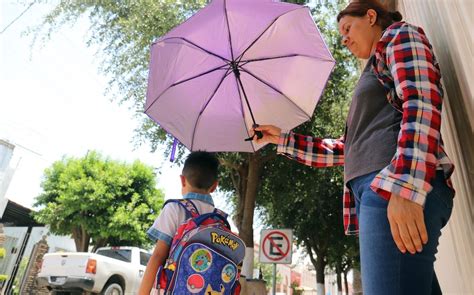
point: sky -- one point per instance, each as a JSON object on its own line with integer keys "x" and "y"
{"x": 53, "y": 103}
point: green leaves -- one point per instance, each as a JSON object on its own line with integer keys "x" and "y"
{"x": 306, "y": 199}
{"x": 110, "y": 200}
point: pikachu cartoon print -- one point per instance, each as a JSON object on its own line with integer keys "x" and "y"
{"x": 210, "y": 291}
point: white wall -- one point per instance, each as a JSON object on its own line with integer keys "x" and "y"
{"x": 6, "y": 173}
{"x": 449, "y": 26}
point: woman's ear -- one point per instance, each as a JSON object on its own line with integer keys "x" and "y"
{"x": 372, "y": 14}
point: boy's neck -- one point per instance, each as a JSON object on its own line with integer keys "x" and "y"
{"x": 196, "y": 191}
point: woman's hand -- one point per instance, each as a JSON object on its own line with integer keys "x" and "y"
{"x": 271, "y": 134}
{"x": 407, "y": 224}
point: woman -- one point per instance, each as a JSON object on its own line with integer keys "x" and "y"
{"x": 396, "y": 171}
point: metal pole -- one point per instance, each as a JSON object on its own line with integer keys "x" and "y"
{"x": 9, "y": 284}
{"x": 274, "y": 278}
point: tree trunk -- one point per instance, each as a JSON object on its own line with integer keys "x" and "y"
{"x": 319, "y": 263}
{"x": 254, "y": 174}
{"x": 81, "y": 239}
{"x": 356, "y": 282}
{"x": 346, "y": 285}
{"x": 99, "y": 243}
{"x": 339, "y": 281}
{"x": 320, "y": 266}
{"x": 246, "y": 177}
{"x": 247, "y": 208}
{"x": 240, "y": 184}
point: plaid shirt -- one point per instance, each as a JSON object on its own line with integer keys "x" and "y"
{"x": 405, "y": 65}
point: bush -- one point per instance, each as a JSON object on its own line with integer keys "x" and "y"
{"x": 294, "y": 286}
{"x": 3, "y": 278}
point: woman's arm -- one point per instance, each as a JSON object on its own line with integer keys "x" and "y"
{"x": 311, "y": 151}
{"x": 405, "y": 59}
{"x": 406, "y": 64}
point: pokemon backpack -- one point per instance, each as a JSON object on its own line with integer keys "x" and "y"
{"x": 205, "y": 256}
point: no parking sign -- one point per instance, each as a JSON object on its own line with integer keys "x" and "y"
{"x": 276, "y": 246}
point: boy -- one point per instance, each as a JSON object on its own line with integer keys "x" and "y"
{"x": 198, "y": 180}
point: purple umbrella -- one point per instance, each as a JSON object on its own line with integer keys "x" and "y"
{"x": 234, "y": 64}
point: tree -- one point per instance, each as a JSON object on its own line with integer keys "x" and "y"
{"x": 294, "y": 287}
{"x": 310, "y": 203}
{"x": 124, "y": 30}
{"x": 311, "y": 208}
{"x": 342, "y": 257}
{"x": 100, "y": 201}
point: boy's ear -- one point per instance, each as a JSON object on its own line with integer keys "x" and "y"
{"x": 213, "y": 187}
{"x": 183, "y": 180}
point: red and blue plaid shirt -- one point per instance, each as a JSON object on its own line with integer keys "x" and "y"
{"x": 406, "y": 66}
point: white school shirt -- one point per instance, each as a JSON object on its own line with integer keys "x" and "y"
{"x": 173, "y": 215}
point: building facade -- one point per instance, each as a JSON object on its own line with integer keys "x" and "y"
{"x": 449, "y": 26}
{"x": 6, "y": 172}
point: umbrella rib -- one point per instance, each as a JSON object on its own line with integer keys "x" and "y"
{"x": 185, "y": 80}
{"x": 194, "y": 44}
{"x": 275, "y": 89}
{"x": 228, "y": 30}
{"x": 205, "y": 106}
{"x": 244, "y": 62}
{"x": 199, "y": 75}
{"x": 264, "y": 31}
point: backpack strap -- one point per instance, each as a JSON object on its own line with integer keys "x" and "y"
{"x": 220, "y": 212}
{"x": 188, "y": 206}
{"x": 217, "y": 214}
{"x": 192, "y": 212}
{"x": 213, "y": 215}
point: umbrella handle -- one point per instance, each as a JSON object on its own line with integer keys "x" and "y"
{"x": 259, "y": 134}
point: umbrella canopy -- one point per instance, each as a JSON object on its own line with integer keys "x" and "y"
{"x": 233, "y": 64}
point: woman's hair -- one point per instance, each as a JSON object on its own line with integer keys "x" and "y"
{"x": 360, "y": 7}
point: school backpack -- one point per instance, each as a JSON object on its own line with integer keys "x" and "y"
{"x": 205, "y": 256}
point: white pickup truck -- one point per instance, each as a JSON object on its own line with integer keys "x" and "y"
{"x": 110, "y": 270}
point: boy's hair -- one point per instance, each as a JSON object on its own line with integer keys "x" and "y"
{"x": 200, "y": 169}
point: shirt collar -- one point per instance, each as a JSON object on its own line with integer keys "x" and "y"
{"x": 201, "y": 197}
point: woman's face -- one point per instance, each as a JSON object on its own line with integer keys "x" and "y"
{"x": 360, "y": 34}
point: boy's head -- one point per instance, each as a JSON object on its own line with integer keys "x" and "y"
{"x": 200, "y": 173}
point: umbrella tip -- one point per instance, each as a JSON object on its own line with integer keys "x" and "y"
{"x": 173, "y": 150}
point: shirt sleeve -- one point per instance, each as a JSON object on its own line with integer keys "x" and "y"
{"x": 166, "y": 224}
{"x": 311, "y": 151}
{"x": 408, "y": 58}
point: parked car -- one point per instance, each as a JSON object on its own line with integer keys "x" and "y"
{"x": 110, "y": 270}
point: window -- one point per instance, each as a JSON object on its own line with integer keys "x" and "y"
{"x": 120, "y": 254}
{"x": 144, "y": 257}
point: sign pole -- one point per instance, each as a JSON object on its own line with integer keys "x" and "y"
{"x": 274, "y": 278}
{"x": 275, "y": 248}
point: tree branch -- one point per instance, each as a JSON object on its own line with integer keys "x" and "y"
{"x": 268, "y": 158}
{"x": 229, "y": 164}
{"x": 310, "y": 251}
